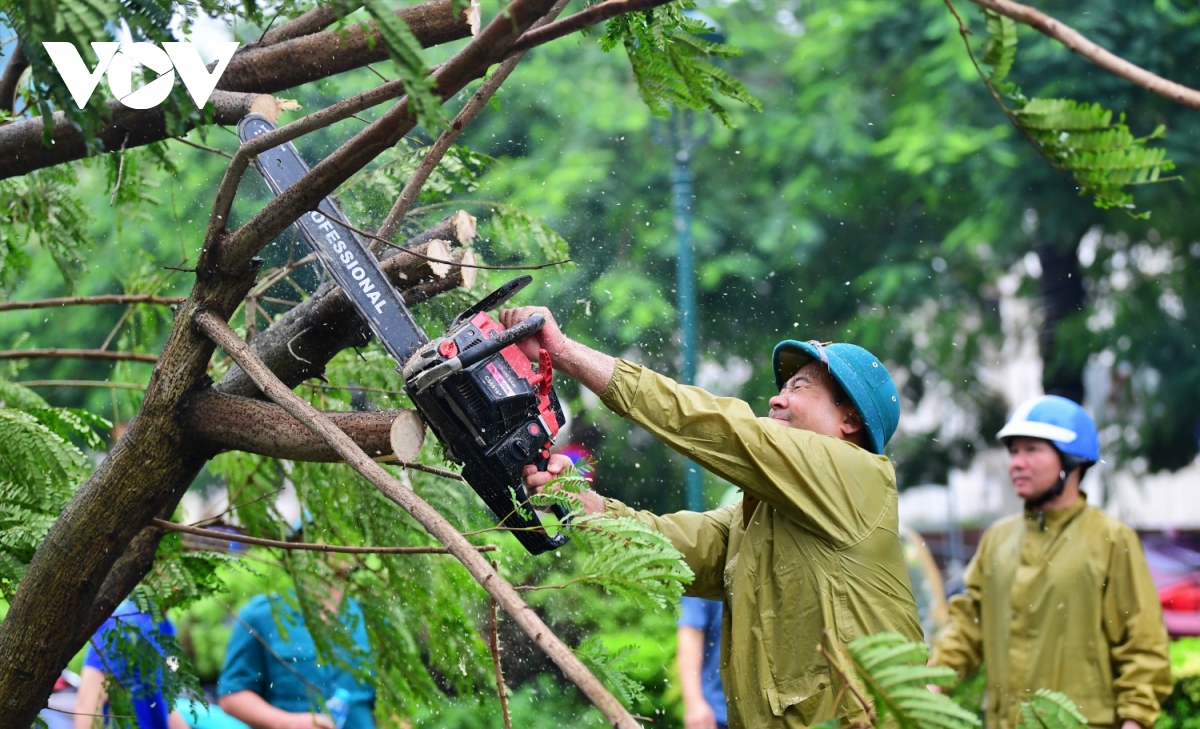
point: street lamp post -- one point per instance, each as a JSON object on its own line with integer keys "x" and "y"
{"x": 684, "y": 141}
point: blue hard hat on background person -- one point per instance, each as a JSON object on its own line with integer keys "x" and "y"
{"x": 1061, "y": 421}
{"x": 866, "y": 381}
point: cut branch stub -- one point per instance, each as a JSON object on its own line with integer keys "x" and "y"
{"x": 407, "y": 435}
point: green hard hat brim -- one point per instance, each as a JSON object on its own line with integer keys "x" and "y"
{"x": 790, "y": 355}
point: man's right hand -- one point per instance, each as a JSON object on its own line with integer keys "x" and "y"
{"x": 549, "y": 338}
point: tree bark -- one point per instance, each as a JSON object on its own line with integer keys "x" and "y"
{"x": 272, "y": 68}
{"x": 228, "y": 422}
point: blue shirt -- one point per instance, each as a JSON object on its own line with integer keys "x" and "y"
{"x": 283, "y": 667}
{"x": 149, "y": 706}
{"x": 705, "y": 615}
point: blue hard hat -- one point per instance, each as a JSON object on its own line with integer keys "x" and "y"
{"x": 1061, "y": 421}
{"x": 864, "y": 378}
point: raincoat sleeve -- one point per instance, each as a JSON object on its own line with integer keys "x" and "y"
{"x": 1136, "y": 635}
{"x": 959, "y": 644}
{"x": 828, "y": 486}
{"x": 702, "y": 538}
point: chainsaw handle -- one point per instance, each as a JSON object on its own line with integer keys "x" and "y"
{"x": 488, "y": 347}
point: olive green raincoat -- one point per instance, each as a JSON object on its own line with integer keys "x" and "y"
{"x": 1061, "y": 600}
{"x": 813, "y": 547}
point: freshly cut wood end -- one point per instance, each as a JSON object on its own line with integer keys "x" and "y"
{"x": 472, "y": 14}
{"x": 408, "y": 435}
{"x": 439, "y": 257}
{"x": 270, "y": 107}
{"x": 467, "y": 258}
{"x": 465, "y": 227}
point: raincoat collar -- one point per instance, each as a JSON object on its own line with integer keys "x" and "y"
{"x": 1055, "y": 519}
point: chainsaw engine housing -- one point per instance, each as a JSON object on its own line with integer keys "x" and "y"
{"x": 494, "y": 416}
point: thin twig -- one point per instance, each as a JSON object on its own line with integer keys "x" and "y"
{"x": 112, "y": 200}
{"x": 494, "y": 645}
{"x": 584, "y": 18}
{"x": 870, "y": 711}
{"x": 234, "y": 507}
{"x": 217, "y": 330}
{"x": 355, "y": 388}
{"x": 77, "y": 354}
{"x": 1077, "y": 43}
{"x": 214, "y": 150}
{"x": 465, "y": 116}
{"x": 91, "y": 301}
{"x": 342, "y": 222}
{"x": 82, "y": 383}
{"x": 306, "y": 546}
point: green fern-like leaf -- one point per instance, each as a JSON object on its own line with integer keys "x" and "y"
{"x": 1050, "y": 710}
{"x": 1001, "y": 48}
{"x": 669, "y": 59}
{"x": 895, "y": 673}
{"x": 409, "y": 62}
{"x": 612, "y": 669}
{"x": 1101, "y": 155}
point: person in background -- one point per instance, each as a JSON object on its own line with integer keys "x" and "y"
{"x": 273, "y": 678}
{"x": 1059, "y": 597}
{"x": 102, "y": 667}
{"x": 698, "y": 656}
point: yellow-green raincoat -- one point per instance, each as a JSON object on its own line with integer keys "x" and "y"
{"x": 1061, "y": 600}
{"x": 813, "y": 547}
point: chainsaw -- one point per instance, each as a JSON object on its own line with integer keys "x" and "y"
{"x": 493, "y": 410}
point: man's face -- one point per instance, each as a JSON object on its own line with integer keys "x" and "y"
{"x": 1033, "y": 466}
{"x": 807, "y": 402}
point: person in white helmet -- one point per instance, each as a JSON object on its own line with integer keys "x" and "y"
{"x": 1059, "y": 597}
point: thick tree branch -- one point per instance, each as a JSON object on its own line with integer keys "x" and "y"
{"x": 215, "y": 328}
{"x": 228, "y": 422}
{"x": 305, "y": 546}
{"x": 314, "y": 20}
{"x": 17, "y": 63}
{"x": 1106, "y": 60}
{"x": 22, "y": 151}
{"x": 266, "y": 69}
{"x": 91, "y": 301}
{"x": 78, "y": 354}
{"x": 250, "y": 72}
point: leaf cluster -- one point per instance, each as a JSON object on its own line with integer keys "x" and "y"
{"x": 895, "y": 673}
{"x": 40, "y": 469}
{"x": 409, "y": 62}
{"x": 1078, "y": 138}
{"x": 669, "y": 54}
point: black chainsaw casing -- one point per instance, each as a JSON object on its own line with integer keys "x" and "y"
{"x": 494, "y": 416}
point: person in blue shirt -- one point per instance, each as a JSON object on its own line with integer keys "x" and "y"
{"x": 102, "y": 666}
{"x": 274, "y": 679}
{"x": 698, "y": 657}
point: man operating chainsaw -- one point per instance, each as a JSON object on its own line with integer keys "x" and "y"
{"x": 811, "y": 556}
